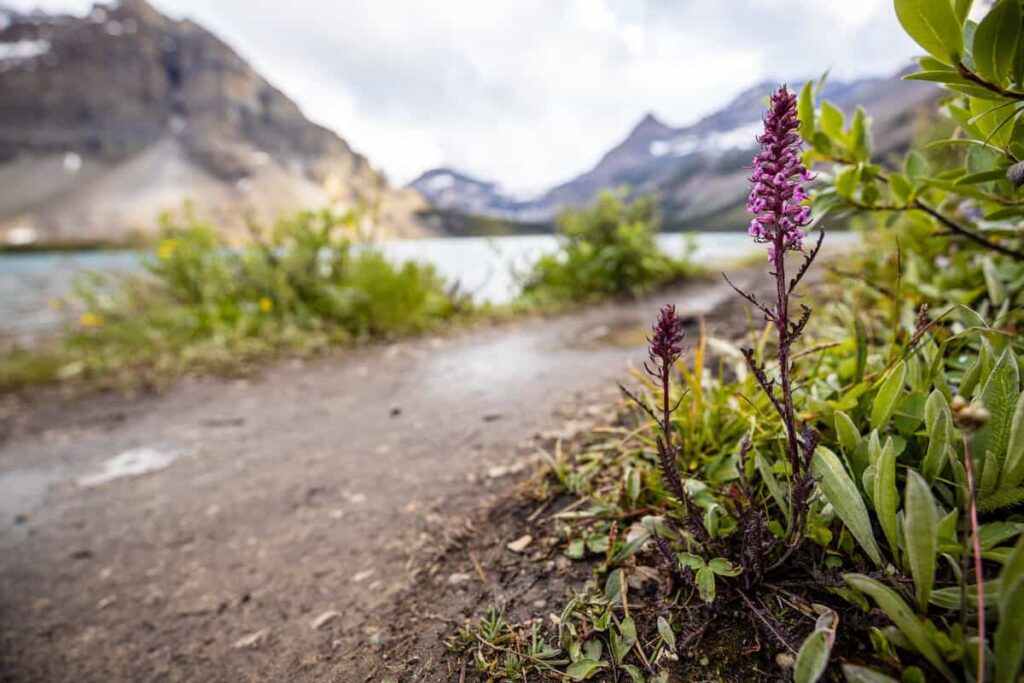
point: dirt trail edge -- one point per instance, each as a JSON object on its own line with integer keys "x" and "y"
{"x": 236, "y": 530}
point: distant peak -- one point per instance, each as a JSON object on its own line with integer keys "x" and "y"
{"x": 650, "y": 124}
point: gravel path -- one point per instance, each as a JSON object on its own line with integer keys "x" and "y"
{"x": 226, "y": 530}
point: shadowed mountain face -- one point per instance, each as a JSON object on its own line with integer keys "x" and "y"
{"x": 697, "y": 171}
{"x": 108, "y": 119}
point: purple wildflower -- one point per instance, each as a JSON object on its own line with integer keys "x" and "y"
{"x": 777, "y": 196}
{"x": 666, "y": 342}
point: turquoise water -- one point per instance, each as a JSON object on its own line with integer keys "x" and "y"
{"x": 483, "y": 266}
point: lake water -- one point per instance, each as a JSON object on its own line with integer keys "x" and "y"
{"x": 483, "y": 266}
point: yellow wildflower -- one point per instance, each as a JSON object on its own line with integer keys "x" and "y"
{"x": 266, "y": 304}
{"x": 89, "y": 319}
{"x": 166, "y": 248}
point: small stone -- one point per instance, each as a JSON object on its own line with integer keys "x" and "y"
{"x": 785, "y": 660}
{"x": 458, "y": 579}
{"x": 106, "y": 602}
{"x": 359, "y": 577}
{"x": 253, "y": 640}
{"x": 324, "y": 619}
{"x": 520, "y": 544}
{"x": 539, "y": 603}
{"x": 491, "y": 417}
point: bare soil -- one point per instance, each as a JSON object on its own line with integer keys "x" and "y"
{"x": 286, "y": 520}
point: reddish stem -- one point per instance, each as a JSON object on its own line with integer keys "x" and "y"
{"x": 976, "y": 543}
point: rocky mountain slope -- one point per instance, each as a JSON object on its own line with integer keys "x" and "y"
{"x": 696, "y": 170}
{"x": 108, "y": 119}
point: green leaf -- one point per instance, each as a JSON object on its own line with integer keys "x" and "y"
{"x": 888, "y": 394}
{"x": 921, "y": 532}
{"x": 705, "y": 579}
{"x": 885, "y": 495}
{"x": 999, "y": 396}
{"x": 901, "y": 187}
{"x": 812, "y": 659}
{"x": 846, "y": 431}
{"x": 938, "y": 76}
{"x": 995, "y": 41}
{"x": 772, "y": 483}
{"x": 846, "y": 181}
{"x": 613, "y": 587}
{"x": 934, "y": 26}
{"x": 915, "y": 166}
{"x": 862, "y": 674}
{"x": 939, "y": 421}
{"x": 1013, "y": 465}
{"x": 1009, "y": 636}
{"x": 584, "y": 669}
{"x": 996, "y": 290}
{"x": 805, "y": 111}
{"x": 902, "y": 616}
{"x": 840, "y": 491}
{"x": 962, "y": 8}
{"x": 724, "y": 567}
{"x": 667, "y": 634}
{"x": 860, "y": 138}
{"x": 832, "y": 120}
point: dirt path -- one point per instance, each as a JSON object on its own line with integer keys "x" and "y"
{"x": 276, "y": 502}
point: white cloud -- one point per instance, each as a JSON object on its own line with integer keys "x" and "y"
{"x": 531, "y": 92}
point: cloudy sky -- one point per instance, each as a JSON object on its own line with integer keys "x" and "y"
{"x": 530, "y": 92}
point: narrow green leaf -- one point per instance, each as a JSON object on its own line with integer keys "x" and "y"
{"x": 666, "y": 633}
{"x": 901, "y": 615}
{"x": 812, "y": 659}
{"x": 584, "y": 669}
{"x": 996, "y": 289}
{"x": 934, "y": 26}
{"x": 888, "y": 394}
{"x": 1013, "y": 465}
{"x": 1009, "y": 636}
{"x": 921, "y": 531}
{"x": 846, "y": 431}
{"x": 840, "y": 491}
{"x": 773, "y": 485}
{"x": 805, "y": 111}
{"x": 995, "y": 41}
{"x": 939, "y": 421}
{"x": 999, "y": 396}
{"x": 862, "y": 674}
{"x": 886, "y": 496}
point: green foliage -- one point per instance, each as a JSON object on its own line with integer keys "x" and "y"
{"x": 303, "y": 286}
{"x": 605, "y": 250}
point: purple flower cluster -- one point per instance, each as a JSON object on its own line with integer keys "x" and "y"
{"x": 777, "y": 197}
{"x": 666, "y": 342}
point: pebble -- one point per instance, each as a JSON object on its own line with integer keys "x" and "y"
{"x": 520, "y": 544}
{"x": 253, "y": 640}
{"x": 324, "y": 619}
{"x": 458, "y": 579}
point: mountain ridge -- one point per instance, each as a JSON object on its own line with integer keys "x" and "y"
{"x": 697, "y": 170}
{"x": 169, "y": 111}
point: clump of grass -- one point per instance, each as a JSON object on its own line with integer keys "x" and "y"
{"x": 300, "y": 287}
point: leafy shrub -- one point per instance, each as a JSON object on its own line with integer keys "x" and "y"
{"x": 301, "y": 287}
{"x": 605, "y": 250}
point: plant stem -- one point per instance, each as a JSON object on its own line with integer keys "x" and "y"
{"x": 976, "y": 548}
{"x": 782, "y": 324}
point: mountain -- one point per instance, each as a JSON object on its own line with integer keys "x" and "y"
{"x": 108, "y": 119}
{"x": 697, "y": 171}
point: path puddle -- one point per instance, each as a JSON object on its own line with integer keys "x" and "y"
{"x": 130, "y": 463}
{"x": 20, "y": 489}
